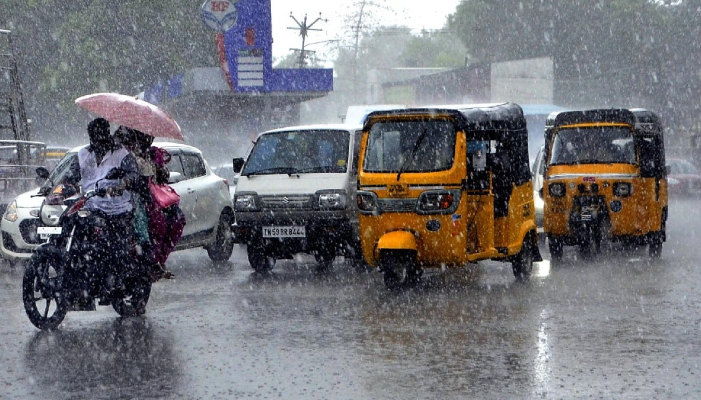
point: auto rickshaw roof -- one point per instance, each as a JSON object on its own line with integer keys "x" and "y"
{"x": 497, "y": 116}
{"x": 638, "y": 117}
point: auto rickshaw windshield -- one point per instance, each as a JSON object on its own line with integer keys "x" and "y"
{"x": 410, "y": 146}
{"x": 593, "y": 145}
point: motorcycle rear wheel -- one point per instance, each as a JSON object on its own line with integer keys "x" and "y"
{"x": 134, "y": 304}
{"x": 42, "y": 293}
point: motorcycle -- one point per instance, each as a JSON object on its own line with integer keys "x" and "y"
{"x": 72, "y": 269}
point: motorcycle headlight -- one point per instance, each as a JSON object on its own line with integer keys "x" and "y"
{"x": 11, "y": 212}
{"x": 246, "y": 201}
{"x": 335, "y": 200}
{"x": 367, "y": 202}
{"x": 440, "y": 201}
{"x": 556, "y": 189}
{"x": 622, "y": 189}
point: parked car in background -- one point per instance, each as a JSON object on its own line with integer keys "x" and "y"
{"x": 684, "y": 178}
{"x": 204, "y": 199}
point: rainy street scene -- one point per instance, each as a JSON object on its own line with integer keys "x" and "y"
{"x": 257, "y": 199}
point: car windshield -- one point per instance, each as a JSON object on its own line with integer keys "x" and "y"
{"x": 410, "y": 146}
{"x": 299, "y": 151}
{"x": 593, "y": 145}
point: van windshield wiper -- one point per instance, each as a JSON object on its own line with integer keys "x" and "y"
{"x": 413, "y": 152}
{"x": 275, "y": 170}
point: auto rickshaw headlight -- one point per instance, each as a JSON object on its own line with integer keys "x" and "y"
{"x": 367, "y": 202}
{"x": 246, "y": 202}
{"x": 438, "y": 201}
{"x": 335, "y": 200}
{"x": 556, "y": 189}
{"x": 622, "y": 189}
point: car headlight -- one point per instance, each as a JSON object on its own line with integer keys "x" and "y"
{"x": 367, "y": 202}
{"x": 335, "y": 200}
{"x": 11, "y": 212}
{"x": 246, "y": 201}
{"x": 622, "y": 189}
{"x": 439, "y": 201}
{"x": 557, "y": 189}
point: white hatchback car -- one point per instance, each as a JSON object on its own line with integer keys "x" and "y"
{"x": 204, "y": 199}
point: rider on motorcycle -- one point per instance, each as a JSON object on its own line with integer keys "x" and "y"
{"x": 94, "y": 169}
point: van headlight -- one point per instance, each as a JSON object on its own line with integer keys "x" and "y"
{"x": 332, "y": 200}
{"x": 622, "y": 189}
{"x": 556, "y": 189}
{"x": 11, "y": 212}
{"x": 367, "y": 202}
{"x": 438, "y": 201}
{"x": 246, "y": 201}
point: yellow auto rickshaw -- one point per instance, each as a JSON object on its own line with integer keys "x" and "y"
{"x": 441, "y": 187}
{"x": 605, "y": 179}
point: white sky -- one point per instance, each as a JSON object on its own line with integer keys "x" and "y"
{"x": 415, "y": 14}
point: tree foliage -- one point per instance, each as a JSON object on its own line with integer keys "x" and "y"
{"x": 72, "y": 48}
{"x": 626, "y": 52}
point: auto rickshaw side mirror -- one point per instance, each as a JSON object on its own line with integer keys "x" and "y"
{"x": 237, "y": 164}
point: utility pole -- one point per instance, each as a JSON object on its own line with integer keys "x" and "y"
{"x": 304, "y": 29}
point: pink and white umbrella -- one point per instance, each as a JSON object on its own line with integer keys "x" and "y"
{"x": 133, "y": 113}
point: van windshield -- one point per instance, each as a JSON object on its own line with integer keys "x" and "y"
{"x": 593, "y": 145}
{"x": 410, "y": 146}
{"x": 296, "y": 152}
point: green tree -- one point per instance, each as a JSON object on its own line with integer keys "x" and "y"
{"x": 78, "y": 47}
{"x": 434, "y": 49}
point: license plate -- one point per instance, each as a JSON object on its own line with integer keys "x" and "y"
{"x": 46, "y": 231}
{"x": 284, "y": 231}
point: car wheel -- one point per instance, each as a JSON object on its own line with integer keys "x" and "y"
{"x": 221, "y": 250}
{"x": 259, "y": 259}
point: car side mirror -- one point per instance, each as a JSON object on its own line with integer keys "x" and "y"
{"x": 174, "y": 177}
{"x": 237, "y": 164}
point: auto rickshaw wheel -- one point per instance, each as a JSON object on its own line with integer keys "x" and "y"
{"x": 522, "y": 263}
{"x": 589, "y": 242}
{"x": 555, "y": 247}
{"x": 399, "y": 268}
{"x": 655, "y": 246}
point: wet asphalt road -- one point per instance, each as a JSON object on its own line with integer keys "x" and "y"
{"x": 617, "y": 327}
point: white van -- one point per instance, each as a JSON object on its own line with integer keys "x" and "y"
{"x": 296, "y": 194}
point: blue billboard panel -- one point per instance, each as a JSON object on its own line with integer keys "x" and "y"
{"x": 249, "y": 53}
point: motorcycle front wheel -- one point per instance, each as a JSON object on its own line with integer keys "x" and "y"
{"x": 134, "y": 303}
{"x": 42, "y": 292}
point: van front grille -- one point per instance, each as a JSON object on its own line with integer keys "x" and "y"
{"x": 290, "y": 202}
